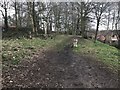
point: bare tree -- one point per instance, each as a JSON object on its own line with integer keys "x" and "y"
{"x": 15, "y": 6}
{"x": 99, "y": 9}
{"x": 118, "y": 23}
{"x": 4, "y": 5}
{"x": 118, "y": 17}
{"x": 84, "y": 8}
{"x": 32, "y": 15}
{"x": 113, "y": 17}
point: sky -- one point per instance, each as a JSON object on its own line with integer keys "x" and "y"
{"x": 66, "y": 0}
{"x": 10, "y": 12}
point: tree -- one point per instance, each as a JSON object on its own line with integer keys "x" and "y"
{"x": 15, "y": 5}
{"x": 4, "y": 5}
{"x": 85, "y": 9}
{"x": 107, "y": 16}
{"x": 32, "y": 15}
{"x": 118, "y": 17}
{"x": 118, "y": 23}
{"x": 99, "y": 9}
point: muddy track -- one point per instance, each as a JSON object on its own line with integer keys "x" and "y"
{"x": 62, "y": 69}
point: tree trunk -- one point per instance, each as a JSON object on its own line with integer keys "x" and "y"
{"x": 29, "y": 18}
{"x": 84, "y": 27}
{"x": 72, "y": 21}
{"x": 108, "y": 22}
{"x": 32, "y": 15}
{"x": 97, "y": 28}
{"x": 50, "y": 27}
{"x": 45, "y": 28}
{"x": 119, "y": 22}
{"x": 82, "y": 20}
{"x": 33, "y": 18}
{"x": 113, "y": 21}
{"x": 20, "y": 15}
{"x": 6, "y": 19}
{"x": 78, "y": 21}
{"x": 66, "y": 18}
{"x": 16, "y": 18}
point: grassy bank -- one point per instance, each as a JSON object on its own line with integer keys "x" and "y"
{"x": 14, "y": 50}
{"x": 107, "y": 54}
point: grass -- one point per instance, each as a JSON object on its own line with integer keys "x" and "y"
{"x": 107, "y": 54}
{"x": 14, "y": 50}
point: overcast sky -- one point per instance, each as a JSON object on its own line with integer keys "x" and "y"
{"x": 10, "y": 12}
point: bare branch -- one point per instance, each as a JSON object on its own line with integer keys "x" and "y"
{"x": 2, "y": 14}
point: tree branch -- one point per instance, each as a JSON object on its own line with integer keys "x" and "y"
{"x": 2, "y": 14}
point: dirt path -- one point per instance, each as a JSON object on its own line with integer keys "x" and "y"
{"x": 61, "y": 69}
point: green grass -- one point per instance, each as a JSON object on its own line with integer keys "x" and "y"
{"x": 14, "y": 50}
{"x": 107, "y": 54}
